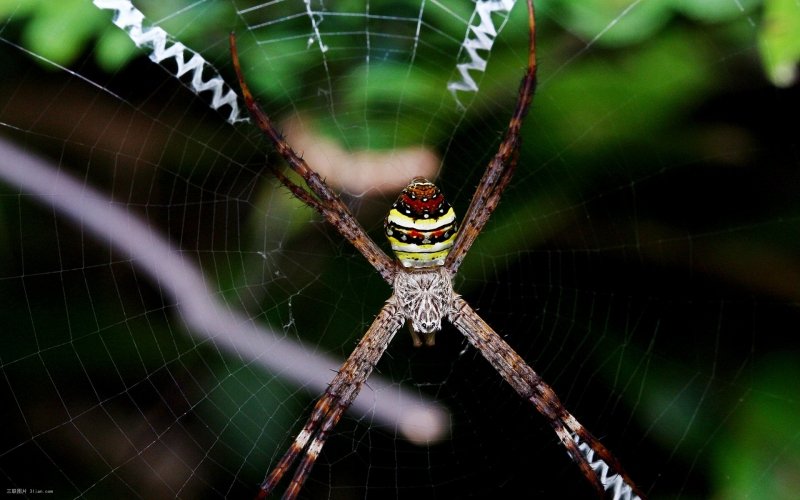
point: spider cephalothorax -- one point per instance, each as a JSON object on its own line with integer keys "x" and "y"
{"x": 421, "y": 228}
{"x": 425, "y": 296}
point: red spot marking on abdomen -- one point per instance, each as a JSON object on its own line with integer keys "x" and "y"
{"x": 423, "y": 206}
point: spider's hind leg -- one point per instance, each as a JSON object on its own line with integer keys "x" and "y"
{"x": 337, "y": 398}
{"x": 607, "y": 468}
{"x": 320, "y": 414}
{"x": 531, "y": 387}
{"x": 313, "y": 451}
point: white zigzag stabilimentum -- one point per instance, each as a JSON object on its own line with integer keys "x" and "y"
{"x": 480, "y": 37}
{"x": 131, "y": 20}
{"x": 614, "y": 483}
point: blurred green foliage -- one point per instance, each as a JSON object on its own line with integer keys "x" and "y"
{"x": 60, "y": 31}
{"x": 763, "y": 437}
{"x": 780, "y": 40}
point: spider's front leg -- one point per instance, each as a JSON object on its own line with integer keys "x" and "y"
{"x": 501, "y": 167}
{"x": 339, "y": 396}
{"x": 329, "y": 204}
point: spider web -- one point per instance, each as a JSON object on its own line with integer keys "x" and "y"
{"x": 170, "y": 314}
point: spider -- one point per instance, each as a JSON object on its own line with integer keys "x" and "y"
{"x": 423, "y": 233}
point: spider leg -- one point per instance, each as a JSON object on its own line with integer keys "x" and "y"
{"x": 595, "y": 445}
{"x": 493, "y": 199}
{"x": 321, "y": 410}
{"x": 501, "y": 167}
{"x": 330, "y": 205}
{"x": 300, "y": 193}
{"x": 313, "y": 452}
{"x": 530, "y": 386}
{"x": 337, "y": 398}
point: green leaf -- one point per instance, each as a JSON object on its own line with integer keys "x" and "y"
{"x": 114, "y": 50}
{"x": 617, "y": 23}
{"x": 17, "y": 8}
{"x": 715, "y": 11}
{"x": 59, "y": 31}
{"x": 759, "y": 457}
{"x": 779, "y": 40}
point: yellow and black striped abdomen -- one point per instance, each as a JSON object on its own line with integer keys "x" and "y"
{"x": 421, "y": 225}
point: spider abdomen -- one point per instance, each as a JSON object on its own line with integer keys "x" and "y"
{"x": 421, "y": 225}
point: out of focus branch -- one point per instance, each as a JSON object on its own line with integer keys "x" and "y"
{"x": 382, "y": 402}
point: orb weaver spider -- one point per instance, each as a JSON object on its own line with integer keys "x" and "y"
{"x": 424, "y": 236}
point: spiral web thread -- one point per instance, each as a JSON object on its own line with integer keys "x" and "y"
{"x": 614, "y": 482}
{"x": 154, "y": 38}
